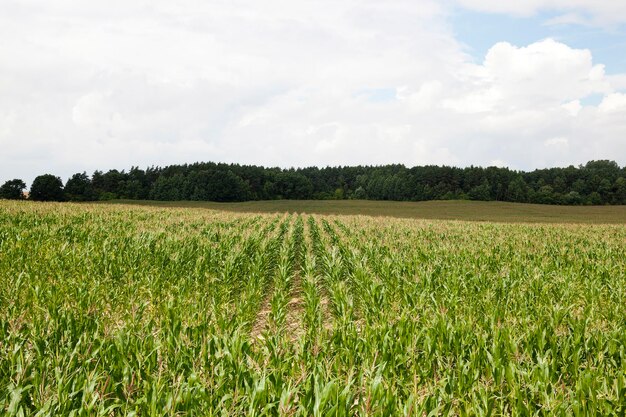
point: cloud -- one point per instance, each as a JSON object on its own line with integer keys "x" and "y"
{"x": 597, "y": 12}
{"x": 557, "y": 142}
{"x": 85, "y": 86}
{"x": 545, "y": 73}
{"x": 424, "y": 98}
{"x": 573, "y": 107}
{"x": 614, "y": 103}
{"x": 498, "y": 163}
{"x": 521, "y": 95}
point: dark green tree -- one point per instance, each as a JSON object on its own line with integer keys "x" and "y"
{"x": 13, "y": 189}
{"x": 594, "y": 198}
{"x": 481, "y": 192}
{"x": 545, "y": 195}
{"x": 597, "y": 182}
{"x": 293, "y": 185}
{"x": 517, "y": 190}
{"x": 47, "y": 187}
{"x": 229, "y": 186}
{"x": 572, "y": 198}
{"x": 79, "y": 188}
{"x": 168, "y": 188}
{"x": 619, "y": 191}
{"x": 359, "y": 194}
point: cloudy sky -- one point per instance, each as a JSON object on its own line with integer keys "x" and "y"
{"x": 99, "y": 85}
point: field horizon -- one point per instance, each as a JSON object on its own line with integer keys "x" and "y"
{"x": 482, "y": 211}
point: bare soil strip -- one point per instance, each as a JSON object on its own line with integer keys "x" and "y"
{"x": 294, "y": 325}
{"x": 263, "y": 316}
{"x": 295, "y": 308}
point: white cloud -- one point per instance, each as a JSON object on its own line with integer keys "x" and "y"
{"x": 86, "y": 86}
{"x": 498, "y": 163}
{"x": 543, "y": 73}
{"x": 6, "y": 124}
{"x": 426, "y": 96}
{"x": 573, "y": 107}
{"x": 520, "y": 95}
{"x": 573, "y": 11}
{"x": 557, "y": 142}
{"x": 91, "y": 110}
{"x": 615, "y": 102}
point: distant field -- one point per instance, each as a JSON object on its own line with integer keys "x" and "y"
{"x": 442, "y": 210}
{"x": 133, "y": 310}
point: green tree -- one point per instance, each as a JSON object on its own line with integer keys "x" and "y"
{"x": 359, "y": 194}
{"x": 603, "y": 168}
{"x": 559, "y": 184}
{"x": 13, "y": 189}
{"x": 579, "y": 186}
{"x": 620, "y": 191}
{"x": 481, "y": 192}
{"x": 168, "y": 188}
{"x": 545, "y": 195}
{"x": 594, "y": 198}
{"x": 47, "y": 187}
{"x": 292, "y": 185}
{"x": 79, "y": 188}
{"x": 228, "y": 186}
{"x": 573, "y": 197}
{"x": 517, "y": 190}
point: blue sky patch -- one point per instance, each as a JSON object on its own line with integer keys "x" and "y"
{"x": 377, "y": 95}
{"x": 480, "y": 31}
{"x": 592, "y": 100}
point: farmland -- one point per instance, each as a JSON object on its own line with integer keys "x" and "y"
{"x": 491, "y": 211}
{"x": 139, "y": 310}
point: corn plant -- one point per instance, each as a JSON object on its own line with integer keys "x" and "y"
{"x": 119, "y": 310}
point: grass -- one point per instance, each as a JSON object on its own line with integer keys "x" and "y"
{"x": 436, "y": 210}
{"x": 147, "y": 311}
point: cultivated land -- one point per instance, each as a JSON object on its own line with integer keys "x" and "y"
{"x": 128, "y": 310}
{"x": 437, "y": 210}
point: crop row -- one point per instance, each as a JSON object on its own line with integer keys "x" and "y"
{"x": 143, "y": 311}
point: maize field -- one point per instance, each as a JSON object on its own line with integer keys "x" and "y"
{"x": 141, "y": 311}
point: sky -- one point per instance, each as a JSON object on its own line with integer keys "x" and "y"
{"x": 103, "y": 85}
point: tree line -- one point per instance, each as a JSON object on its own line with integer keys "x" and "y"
{"x": 596, "y": 182}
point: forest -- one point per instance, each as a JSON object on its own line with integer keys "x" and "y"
{"x": 595, "y": 183}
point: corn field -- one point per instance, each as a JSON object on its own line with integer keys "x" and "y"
{"x": 119, "y": 310}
